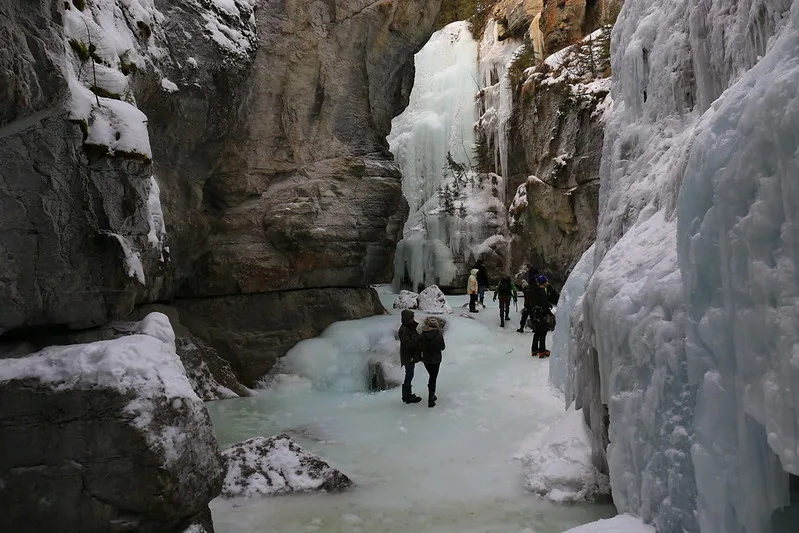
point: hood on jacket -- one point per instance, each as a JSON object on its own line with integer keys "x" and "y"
{"x": 433, "y": 322}
{"x": 473, "y": 272}
{"x": 407, "y": 317}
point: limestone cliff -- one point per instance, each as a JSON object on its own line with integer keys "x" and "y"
{"x": 210, "y": 154}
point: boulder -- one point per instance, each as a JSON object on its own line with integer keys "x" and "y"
{"x": 106, "y": 436}
{"x": 432, "y": 300}
{"x": 407, "y": 300}
{"x": 277, "y": 465}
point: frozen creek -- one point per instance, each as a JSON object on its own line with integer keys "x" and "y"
{"x": 447, "y": 469}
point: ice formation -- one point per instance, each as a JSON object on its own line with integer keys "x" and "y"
{"x": 456, "y": 215}
{"x": 692, "y": 308}
{"x": 572, "y": 291}
{"x": 622, "y": 523}
{"x": 496, "y": 93}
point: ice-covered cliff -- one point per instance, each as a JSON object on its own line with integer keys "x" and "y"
{"x": 691, "y": 311}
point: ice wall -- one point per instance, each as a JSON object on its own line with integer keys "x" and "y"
{"x": 572, "y": 291}
{"x": 456, "y": 215}
{"x": 699, "y": 417}
{"x": 738, "y": 249}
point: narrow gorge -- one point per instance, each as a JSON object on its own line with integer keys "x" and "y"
{"x": 208, "y": 207}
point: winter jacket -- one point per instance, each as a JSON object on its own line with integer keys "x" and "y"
{"x": 432, "y": 343}
{"x": 471, "y": 286}
{"x": 505, "y": 290}
{"x": 538, "y": 298}
{"x": 552, "y": 294}
{"x": 409, "y": 339}
{"x": 482, "y": 274}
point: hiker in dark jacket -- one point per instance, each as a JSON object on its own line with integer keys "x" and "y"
{"x": 432, "y": 343}
{"x": 532, "y": 273}
{"x": 410, "y": 353}
{"x": 505, "y": 290}
{"x": 541, "y": 312}
{"x": 482, "y": 280}
{"x": 529, "y": 293}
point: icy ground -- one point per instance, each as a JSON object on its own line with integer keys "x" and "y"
{"x": 446, "y": 469}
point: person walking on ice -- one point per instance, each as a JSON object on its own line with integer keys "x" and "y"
{"x": 410, "y": 353}
{"x": 432, "y": 344}
{"x": 542, "y": 317}
{"x": 471, "y": 290}
{"x": 482, "y": 280}
{"x": 505, "y": 290}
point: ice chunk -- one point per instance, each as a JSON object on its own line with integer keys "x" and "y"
{"x": 623, "y": 523}
{"x": 406, "y": 300}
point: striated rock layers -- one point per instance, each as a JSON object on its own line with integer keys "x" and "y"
{"x": 261, "y": 126}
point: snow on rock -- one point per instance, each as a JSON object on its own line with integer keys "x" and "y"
{"x": 407, "y": 300}
{"x": 558, "y": 463}
{"x": 277, "y": 465}
{"x": 622, "y": 523}
{"x": 118, "y": 408}
{"x": 432, "y": 300}
{"x": 168, "y": 86}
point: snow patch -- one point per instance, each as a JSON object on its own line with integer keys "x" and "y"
{"x": 622, "y": 523}
{"x": 168, "y": 85}
{"x": 558, "y": 462}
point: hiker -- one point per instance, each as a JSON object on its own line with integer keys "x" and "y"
{"x": 431, "y": 342}
{"x": 505, "y": 290}
{"x": 471, "y": 289}
{"x": 528, "y": 291}
{"x": 409, "y": 353}
{"x": 482, "y": 280}
{"x": 542, "y": 317}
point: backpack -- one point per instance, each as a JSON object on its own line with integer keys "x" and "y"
{"x": 504, "y": 288}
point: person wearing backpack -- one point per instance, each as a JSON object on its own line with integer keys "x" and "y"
{"x": 432, "y": 344}
{"x": 541, "y": 317}
{"x": 505, "y": 290}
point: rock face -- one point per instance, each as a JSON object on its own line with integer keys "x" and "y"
{"x": 515, "y": 16}
{"x": 262, "y": 133}
{"x": 106, "y": 436}
{"x": 252, "y": 330}
{"x": 556, "y": 139}
{"x": 277, "y": 465}
{"x": 564, "y": 22}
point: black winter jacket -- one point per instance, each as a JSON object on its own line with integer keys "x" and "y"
{"x": 409, "y": 339}
{"x": 432, "y": 343}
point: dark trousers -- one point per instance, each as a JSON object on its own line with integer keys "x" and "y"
{"x": 472, "y": 303}
{"x": 432, "y": 369}
{"x": 481, "y": 290}
{"x": 406, "y": 385}
{"x": 525, "y": 314}
{"x": 504, "y": 310}
{"x": 539, "y": 339}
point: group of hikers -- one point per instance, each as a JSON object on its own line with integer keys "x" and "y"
{"x": 426, "y": 347}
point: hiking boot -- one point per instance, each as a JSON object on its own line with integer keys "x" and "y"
{"x": 535, "y": 353}
{"x": 520, "y": 330}
{"x": 431, "y": 403}
{"x": 543, "y": 354}
{"x": 502, "y": 324}
{"x": 412, "y": 399}
{"x": 507, "y": 317}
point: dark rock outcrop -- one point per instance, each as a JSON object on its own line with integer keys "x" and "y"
{"x": 105, "y": 437}
{"x": 277, "y": 465}
{"x": 252, "y": 330}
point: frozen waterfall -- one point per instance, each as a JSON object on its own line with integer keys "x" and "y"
{"x": 456, "y": 215}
